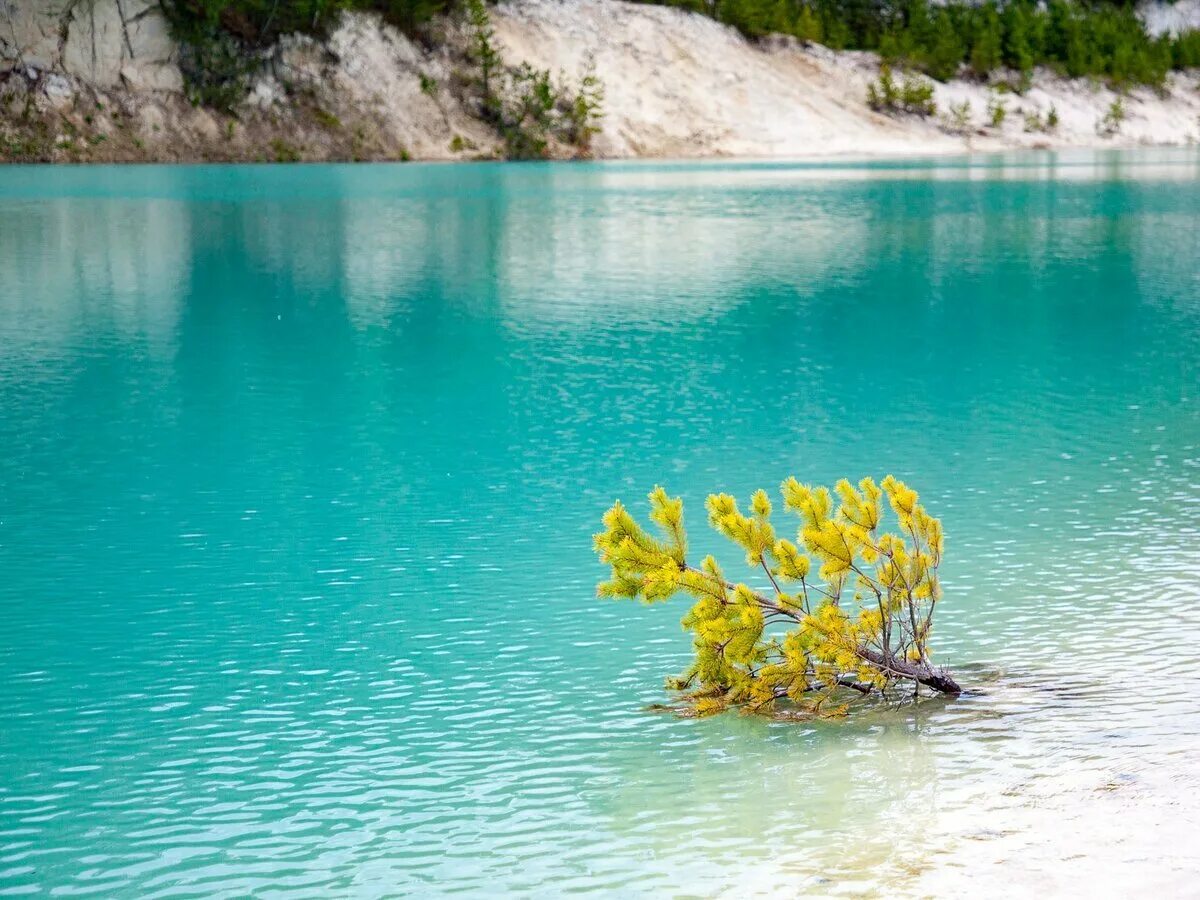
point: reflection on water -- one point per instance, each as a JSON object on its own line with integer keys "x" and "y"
{"x": 298, "y": 469}
{"x": 66, "y": 266}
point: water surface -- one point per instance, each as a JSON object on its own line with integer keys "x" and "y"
{"x": 299, "y": 468}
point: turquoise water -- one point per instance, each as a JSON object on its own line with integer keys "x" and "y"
{"x": 299, "y": 468}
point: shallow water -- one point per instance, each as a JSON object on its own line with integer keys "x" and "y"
{"x": 299, "y": 467}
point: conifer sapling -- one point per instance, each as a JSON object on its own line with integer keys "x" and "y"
{"x": 857, "y": 602}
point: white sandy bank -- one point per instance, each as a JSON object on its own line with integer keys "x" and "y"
{"x": 679, "y": 84}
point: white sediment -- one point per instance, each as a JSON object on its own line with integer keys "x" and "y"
{"x": 679, "y": 84}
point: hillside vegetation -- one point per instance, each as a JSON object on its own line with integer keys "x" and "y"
{"x": 219, "y": 38}
{"x": 1100, "y": 39}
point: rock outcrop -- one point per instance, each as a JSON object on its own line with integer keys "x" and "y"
{"x": 106, "y": 44}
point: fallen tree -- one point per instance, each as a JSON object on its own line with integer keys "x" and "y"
{"x": 859, "y": 628}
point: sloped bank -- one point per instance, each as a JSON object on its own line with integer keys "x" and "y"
{"x": 100, "y": 81}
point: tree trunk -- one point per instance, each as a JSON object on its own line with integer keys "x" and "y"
{"x": 938, "y": 679}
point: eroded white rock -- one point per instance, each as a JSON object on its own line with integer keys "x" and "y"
{"x": 29, "y": 32}
{"x": 58, "y": 89}
{"x": 112, "y": 43}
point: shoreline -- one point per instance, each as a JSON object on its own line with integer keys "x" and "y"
{"x": 1070, "y": 156}
{"x": 676, "y": 85}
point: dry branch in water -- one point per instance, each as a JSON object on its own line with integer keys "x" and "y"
{"x": 859, "y": 628}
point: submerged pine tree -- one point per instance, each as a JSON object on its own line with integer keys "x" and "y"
{"x": 859, "y": 625}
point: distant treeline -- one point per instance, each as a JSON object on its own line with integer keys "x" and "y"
{"x": 1100, "y": 39}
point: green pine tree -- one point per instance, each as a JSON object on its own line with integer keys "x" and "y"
{"x": 986, "y": 49}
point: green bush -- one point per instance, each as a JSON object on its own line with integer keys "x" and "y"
{"x": 526, "y": 119}
{"x": 585, "y": 110}
{"x": 997, "y": 112}
{"x": 523, "y": 103}
{"x": 220, "y": 39}
{"x": 282, "y": 151}
{"x": 216, "y": 67}
{"x": 258, "y": 23}
{"x": 1110, "y": 122}
{"x": 883, "y": 95}
{"x": 914, "y": 95}
{"x": 1036, "y": 122}
{"x": 1186, "y": 51}
{"x": 958, "y": 119}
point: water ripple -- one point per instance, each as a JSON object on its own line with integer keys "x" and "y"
{"x": 297, "y": 485}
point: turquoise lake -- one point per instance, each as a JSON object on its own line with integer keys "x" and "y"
{"x": 299, "y": 467}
